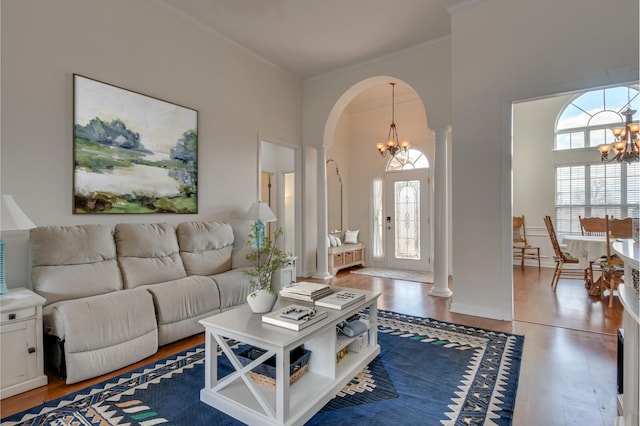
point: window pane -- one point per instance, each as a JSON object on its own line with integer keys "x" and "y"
{"x": 592, "y": 101}
{"x": 572, "y": 117}
{"x": 597, "y": 137}
{"x": 407, "y": 210}
{"x": 616, "y": 98}
{"x": 633, "y": 186}
{"x": 563, "y": 141}
{"x": 378, "y": 221}
{"x": 577, "y": 140}
{"x": 570, "y": 185}
{"x": 605, "y": 117}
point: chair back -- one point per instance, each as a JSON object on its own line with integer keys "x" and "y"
{"x": 592, "y": 225}
{"x": 611, "y": 259}
{"x": 621, "y": 228}
{"x": 519, "y": 232}
{"x": 554, "y": 239}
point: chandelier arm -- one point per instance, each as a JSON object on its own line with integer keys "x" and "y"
{"x": 626, "y": 134}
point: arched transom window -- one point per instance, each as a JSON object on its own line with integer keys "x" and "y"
{"x": 585, "y": 122}
{"x": 413, "y": 159}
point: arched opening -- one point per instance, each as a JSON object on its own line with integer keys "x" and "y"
{"x": 360, "y": 119}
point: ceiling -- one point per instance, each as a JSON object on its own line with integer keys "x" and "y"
{"x": 313, "y": 37}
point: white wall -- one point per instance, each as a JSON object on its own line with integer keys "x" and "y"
{"x": 521, "y": 49}
{"x": 142, "y": 47}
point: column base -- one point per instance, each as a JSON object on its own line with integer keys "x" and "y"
{"x": 322, "y": 276}
{"x": 436, "y": 292}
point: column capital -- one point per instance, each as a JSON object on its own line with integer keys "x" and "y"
{"x": 441, "y": 132}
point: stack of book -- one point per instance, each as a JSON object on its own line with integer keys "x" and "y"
{"x": 341, "y": 299}
{"x": 306, "y": 291}
{"x": 294, "y": 317}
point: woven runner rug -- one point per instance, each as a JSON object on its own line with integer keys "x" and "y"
{"x": 397, "y": 274}
{"x": 428, "y": 373}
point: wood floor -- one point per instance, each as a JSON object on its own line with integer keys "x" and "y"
{"x": 568, "y": 372}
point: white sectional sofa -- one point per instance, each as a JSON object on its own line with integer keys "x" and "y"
{"x": 114, "y": 294}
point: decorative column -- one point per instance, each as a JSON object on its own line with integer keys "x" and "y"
{"x": 323, "y": 227}
{"x": 441, "y": 243}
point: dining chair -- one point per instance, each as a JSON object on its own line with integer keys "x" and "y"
{"x": 592, "y": 225}
{"x": 610, "y": 266}
{"x": 621, "y": 228}
{"x": 561, "y": 257}
{"x": 521, "y": 248}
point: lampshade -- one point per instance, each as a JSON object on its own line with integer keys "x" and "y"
{"x": 260, "y": 212}
{"x": 12, "y": 217}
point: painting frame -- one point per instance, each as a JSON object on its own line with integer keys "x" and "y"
{"x": 132, "y": 153}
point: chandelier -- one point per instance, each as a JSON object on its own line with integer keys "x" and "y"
{"x": 393, "y": 145}
{"x": 627, "y": 143}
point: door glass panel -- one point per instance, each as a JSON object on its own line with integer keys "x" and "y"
{"x": 407, "y": 216}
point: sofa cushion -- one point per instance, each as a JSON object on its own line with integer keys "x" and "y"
{"x": 105, "y": 332}
{"x": 180, "y": 303}
{"x": 234, "y": 287}
{"x": 148, "y": 253}
{"x": 239, "y": 257}
{"x": 205, "y": 247}
{"x": 70, "y": 262}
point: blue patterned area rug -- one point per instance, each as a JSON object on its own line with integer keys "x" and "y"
{"x": 428, "y": 373}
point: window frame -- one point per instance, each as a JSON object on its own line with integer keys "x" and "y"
{"x": 566, "y": 214}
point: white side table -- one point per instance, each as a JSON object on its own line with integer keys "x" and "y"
{"x": 21, "y": 349}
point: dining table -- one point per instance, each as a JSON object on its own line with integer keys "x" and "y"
{"x": 587, "y": 248}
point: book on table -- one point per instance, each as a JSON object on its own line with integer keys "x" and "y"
{"x": 306, "y": 291}
{"x": 294, "y": 317}
{"x": 341, "y": 299}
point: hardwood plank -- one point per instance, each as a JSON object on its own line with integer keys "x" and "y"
{"x": 568, "y": 371}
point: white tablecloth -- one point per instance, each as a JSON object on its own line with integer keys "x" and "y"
{"x": 585, "y": 247}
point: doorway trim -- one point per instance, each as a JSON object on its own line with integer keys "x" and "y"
{"x": 299, "y": 205}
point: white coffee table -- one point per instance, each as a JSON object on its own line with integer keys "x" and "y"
{"x": 288, "y": 404}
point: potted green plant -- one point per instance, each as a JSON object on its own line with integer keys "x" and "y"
{"x": 266, "y": 258}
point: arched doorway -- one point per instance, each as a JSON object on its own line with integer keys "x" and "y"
{"x": 358, "y": 121}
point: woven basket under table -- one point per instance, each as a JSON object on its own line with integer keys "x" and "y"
{"x": 265, "y": 373}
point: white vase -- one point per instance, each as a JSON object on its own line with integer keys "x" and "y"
{"x": 261, "y": 301}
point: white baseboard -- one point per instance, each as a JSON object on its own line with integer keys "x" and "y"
{"x": 460, "y": 308}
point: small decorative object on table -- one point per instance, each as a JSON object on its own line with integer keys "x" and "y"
{"x": 265, "y": 373}
{"x": 266, "y": 258}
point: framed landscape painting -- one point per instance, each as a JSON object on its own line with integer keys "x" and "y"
{"x": 132, "y": 153}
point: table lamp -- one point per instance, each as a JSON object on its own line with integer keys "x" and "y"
{"x": 260, "y": 213}
{"x": 11, "y": 218}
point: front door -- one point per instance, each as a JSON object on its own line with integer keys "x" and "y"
{"x": 406, "y": 220}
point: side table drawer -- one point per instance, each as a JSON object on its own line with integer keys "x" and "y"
{"x": 8, "y": 317}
